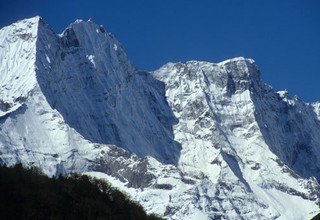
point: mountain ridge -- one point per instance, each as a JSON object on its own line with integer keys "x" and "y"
{"x": 192, "y": 140}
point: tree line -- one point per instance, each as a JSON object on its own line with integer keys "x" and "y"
{"x": 26, "y": 193}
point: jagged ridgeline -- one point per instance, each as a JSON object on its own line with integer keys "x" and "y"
{"x": 29, "y": 194}
{"x": 194, "y": 140}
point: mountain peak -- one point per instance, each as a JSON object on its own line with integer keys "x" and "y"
{"x": 237, "y": 59}
{"x": 21, "y": 27}
{"x": 32, "y": 20}
{"x": 81, "y": 22}
{"x": 88, "y": 25}
{"x": 18, "y": 53}
{"x": 237, "y": 74}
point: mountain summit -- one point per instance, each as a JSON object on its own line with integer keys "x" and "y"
{"x": 193, "y": 140}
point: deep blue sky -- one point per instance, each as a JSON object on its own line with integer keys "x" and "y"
{"x": 282, "y": 36}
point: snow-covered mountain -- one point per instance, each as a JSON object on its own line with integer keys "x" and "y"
{"x": 193, "y": 140}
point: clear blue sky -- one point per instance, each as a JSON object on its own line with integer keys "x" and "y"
{"x": 283, "y": 36}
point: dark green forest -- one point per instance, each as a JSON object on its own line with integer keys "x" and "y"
{"x": 29, "y": 194}
{"x": 317, "y": 217}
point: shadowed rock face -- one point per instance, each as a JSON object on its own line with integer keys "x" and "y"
{"x": 290, "y": 128}
{"x": 193, "y": 140}
{"x": 122, "y": 107}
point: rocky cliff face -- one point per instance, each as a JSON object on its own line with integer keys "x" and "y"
{"x": 191, "y": 140}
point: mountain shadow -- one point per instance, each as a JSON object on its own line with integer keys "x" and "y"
{"x": 91, "y": 83}
{"x": 290, "y": 130}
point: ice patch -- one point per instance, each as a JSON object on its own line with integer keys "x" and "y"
{"x": 283, "y": 94}
{"x": 48, "y": 59}
{"x": 91, "y": 59}
{"x": 115, "y": 47}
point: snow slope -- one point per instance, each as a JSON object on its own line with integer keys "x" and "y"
{"x": 193, "y": 140}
